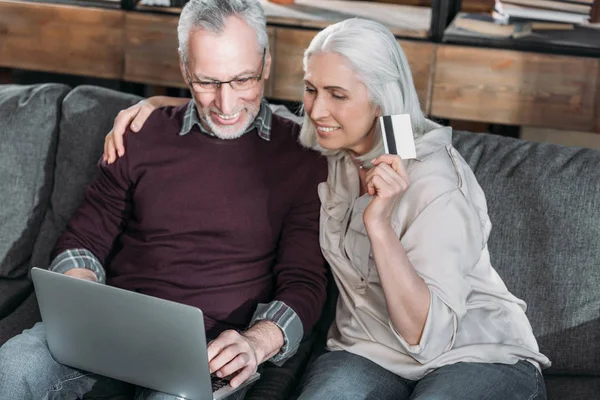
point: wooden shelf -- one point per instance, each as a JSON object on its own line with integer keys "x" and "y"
{"x": 62, "y": 39}
{"x": 516, "y": 88}
{"x": 454, "y": 82}
{"x": 408, "y": 21}
{"x": 151, "y": 50}
{"x": 402, "y": 20}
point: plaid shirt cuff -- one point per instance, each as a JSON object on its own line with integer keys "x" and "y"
{"x": 289, "y": 323}
{"x": 78, "y": 258}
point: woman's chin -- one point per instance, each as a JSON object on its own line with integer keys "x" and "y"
{"x": 328, "y": 144}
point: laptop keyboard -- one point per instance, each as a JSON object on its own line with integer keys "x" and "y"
{"x": 217, "y": 383}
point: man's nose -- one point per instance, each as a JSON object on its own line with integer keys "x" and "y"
{"x": 226, "y": 99}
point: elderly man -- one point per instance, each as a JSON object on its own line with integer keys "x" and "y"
{"x": 215, "y": 205}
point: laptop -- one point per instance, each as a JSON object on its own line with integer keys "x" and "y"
{"x": 128, "y": 336}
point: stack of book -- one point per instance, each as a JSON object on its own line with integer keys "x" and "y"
{"x": 565, "y": 11}
{"x": 483, "y": 25}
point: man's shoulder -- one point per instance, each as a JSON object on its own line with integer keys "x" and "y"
{"x": 287, "y": 132}
{"x": 163, "y": 124}
{"x": 284, "y": 125}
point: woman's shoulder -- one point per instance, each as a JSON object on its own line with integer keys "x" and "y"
{"x": 438, "y": 170}
{"x": 437, "y": 173}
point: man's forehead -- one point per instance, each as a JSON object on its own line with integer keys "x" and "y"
{"x": 224, "y": 66}
{"x": 224, "y": 55}
{"x": 236, "y": 34}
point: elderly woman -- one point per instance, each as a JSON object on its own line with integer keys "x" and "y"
{"x": 422, "y": 314}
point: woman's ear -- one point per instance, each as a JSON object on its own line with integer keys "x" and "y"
{"x": 378, "y": 112}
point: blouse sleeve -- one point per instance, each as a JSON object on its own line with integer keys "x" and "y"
{"x": 444, "y": 243}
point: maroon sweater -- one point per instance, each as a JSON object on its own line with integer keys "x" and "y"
{"x": 221, "y": 225}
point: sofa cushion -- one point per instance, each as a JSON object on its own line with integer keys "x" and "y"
{"x": 28, "y": 132}
{"x": 572, "y": 387}
{"x": 88, "y": 113}
{"x": 544, "y": 204}
{"x": 24, "y": 316}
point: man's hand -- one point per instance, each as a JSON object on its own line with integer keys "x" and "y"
{"x": 242, "y": 353}
{"x": 82, "y": 273}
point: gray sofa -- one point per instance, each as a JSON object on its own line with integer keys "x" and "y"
{"x": 544, "y": 203}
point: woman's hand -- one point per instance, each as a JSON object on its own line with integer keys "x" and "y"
{"x": 134, "y": 117}
{"x": 387, "y": 181}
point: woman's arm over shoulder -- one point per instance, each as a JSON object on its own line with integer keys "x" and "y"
{"x": 132, "y": 119}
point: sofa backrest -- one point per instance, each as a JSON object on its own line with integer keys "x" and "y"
{"x": 544, "y": 204}
{"x": 88, "y": 113}
{"x": 29, "y": 117}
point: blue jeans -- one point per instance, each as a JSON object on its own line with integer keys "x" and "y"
{"x": 341, "y": 375}
{"x": 28, "y": 372}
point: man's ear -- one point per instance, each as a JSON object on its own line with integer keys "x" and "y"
{"x": 182, "y": 68}
{"x": 267, "y": 70}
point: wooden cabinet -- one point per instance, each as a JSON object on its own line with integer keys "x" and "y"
{"x": 421, "y": 59}
{"x": 62, "y": 39}
{"x": 287, "y": 73}
{"x": 516, "y": 88}
{"x": 151, "y": 50}
{"x": 151, "y": 54}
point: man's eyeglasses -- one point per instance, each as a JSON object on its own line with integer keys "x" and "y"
{"x": 238, "y": 84}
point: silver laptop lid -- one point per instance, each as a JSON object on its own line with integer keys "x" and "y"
{"x": 128, "y": 336}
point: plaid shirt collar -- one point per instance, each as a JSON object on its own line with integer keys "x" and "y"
{"x": 262, "y": 122}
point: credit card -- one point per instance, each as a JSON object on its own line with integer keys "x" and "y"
{"x": 398, "y": 135}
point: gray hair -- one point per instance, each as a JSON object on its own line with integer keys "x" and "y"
{"x": 377, "y": 58}
{"x": 211, "y": 14}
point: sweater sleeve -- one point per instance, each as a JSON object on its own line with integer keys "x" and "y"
{"x": 443, "y": 244}
{"x": 98, "y": 221}
{"x": 300, "y": 268}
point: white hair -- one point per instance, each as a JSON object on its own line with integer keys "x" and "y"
{"x": 379, "y": 62}
{"x": 211, "y": 14}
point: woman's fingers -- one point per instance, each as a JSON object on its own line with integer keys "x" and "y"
{"x": 110, "y": 152}
{"x": 146, "y": 108}
{"x": 395, "y": 163}
{"x": 388, "y": 175}
{"x": 122, "y": 122}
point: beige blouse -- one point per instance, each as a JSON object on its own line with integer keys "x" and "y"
{"x": 442, "y": 223}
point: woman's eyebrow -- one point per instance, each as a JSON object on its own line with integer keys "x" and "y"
{"x": 335, "y": 88}
{"x": 307, "y": 82}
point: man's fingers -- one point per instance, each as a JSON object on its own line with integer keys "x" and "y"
{"x": 223, "y": 357}
{"x": 214, "y": 348}
{"x": 240, "y": 361}
{"x": 242, "y": 376}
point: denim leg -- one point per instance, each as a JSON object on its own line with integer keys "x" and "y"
{"x": 480, "y": 381}
{"x": 28, "y": 371}
{"x": 339, "y": 375}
